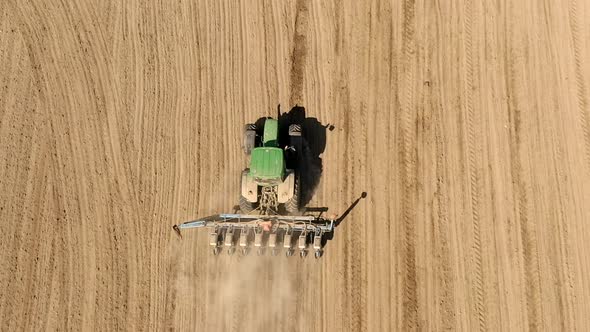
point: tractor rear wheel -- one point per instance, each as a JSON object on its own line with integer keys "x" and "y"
{"x": 292, "y": 205}
{"x": 246, "y": 206}
{"x": 249, "y": 138}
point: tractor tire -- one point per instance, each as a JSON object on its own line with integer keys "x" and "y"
{"x": 246, "y": 206}
{"x": 249, "y": 138}
{"x": 292, "y": 205}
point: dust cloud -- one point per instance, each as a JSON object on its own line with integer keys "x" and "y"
{"x": 257, "y": 288}
{"x": 245, "y": 293}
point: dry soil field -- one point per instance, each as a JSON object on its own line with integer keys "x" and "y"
{"x": 466, "y": 122}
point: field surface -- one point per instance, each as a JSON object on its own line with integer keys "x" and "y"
{"x": 467, "y": 123}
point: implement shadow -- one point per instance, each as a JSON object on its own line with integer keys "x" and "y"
{"x": 343, "y": 216}
{"x": 350, "y": 208}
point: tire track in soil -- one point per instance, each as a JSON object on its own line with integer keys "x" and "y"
{"x": 565, "y": 306}
{"x": 442, "y": 235}
{"x": 391, "y": 140}
{"x": 356, "y": 241}
{"x": 344, "y": 105}
{"x": 581, "y": 85}
{"x": 299, "y": 53}
{"x": 6, "y": 54}
{"x": 174, "y": 267}
{"x": 408, "y": 158}
{"x": 473, "y": 130}
{"x": 55, "y": 262}
{"x": 447, "y": 298}
{"x": 559, "y": 252}
{"x": 527, "y": 232}
{"x": 100, "y": 94}
{"x": 357, "y": 237}
{"x": 296, "y": 79}
{"x": 528, "y": 236}
{"x": 13, "y": 43}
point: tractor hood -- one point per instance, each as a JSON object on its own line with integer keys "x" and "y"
{"x": 267, "y": 164}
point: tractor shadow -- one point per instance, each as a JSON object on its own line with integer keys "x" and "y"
{"x": 309, "y": 162}
{"x": 314, "y": 144}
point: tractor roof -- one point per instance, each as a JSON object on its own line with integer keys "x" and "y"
{"x": 271, "y": 133}
{"x": 267, "y": 163}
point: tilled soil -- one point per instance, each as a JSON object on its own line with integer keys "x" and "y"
{"x": 466, "y": 123}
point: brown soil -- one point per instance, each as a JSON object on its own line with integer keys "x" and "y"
{"x": 467, "y": 124}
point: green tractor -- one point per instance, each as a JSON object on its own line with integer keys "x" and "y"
{"x": 272, "y": 213}
{"x": 271, "y": 185}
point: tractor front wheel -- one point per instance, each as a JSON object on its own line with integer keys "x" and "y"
{"x": 249, "y": 138}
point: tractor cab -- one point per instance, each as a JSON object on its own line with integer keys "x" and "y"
{"x": 267, "y": 162}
